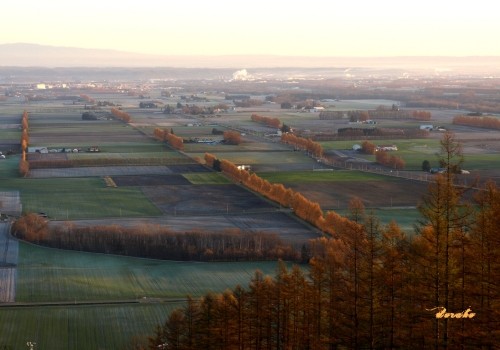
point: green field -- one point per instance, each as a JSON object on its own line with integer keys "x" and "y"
{"x": 314, "y": 176}
{"x": 9, "y": 168}
{"x": 73, "y": 198}
{"x": 70, "y": 327}
{"x": 10, "y": 134}
{"x": 51, "y": 275}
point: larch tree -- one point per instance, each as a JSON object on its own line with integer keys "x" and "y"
{"x": 484, "y": 288}
{"x": 444, "y": 219}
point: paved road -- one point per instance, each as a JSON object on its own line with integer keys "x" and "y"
{"x": 9, "y": 251}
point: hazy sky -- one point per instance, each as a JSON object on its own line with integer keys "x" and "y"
{"x": 275, "y": 27}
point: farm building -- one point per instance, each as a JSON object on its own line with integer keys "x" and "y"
{"x": 387, "y": 148}
{"x": 317, "y": 109}
{"x": 38, "y": 150}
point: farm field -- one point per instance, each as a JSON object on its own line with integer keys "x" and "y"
{"x": 334, "y": 189}
{"x": 52, "y": 275}
{"x": 86, "y": 327}
{"x": 65, "y": 281}
{"x": 70, "y": 198}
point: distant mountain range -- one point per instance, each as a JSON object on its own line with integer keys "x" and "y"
{"x": 34, "y": 55}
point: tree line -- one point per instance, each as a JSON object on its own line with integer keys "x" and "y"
{"x": 368, "y": 286}
{"x": 165, "y": 135}
{"x": 122, "y": 115}
{"x": 302, "y": 143}
{"x": 269, "y": 121}
{"x": 389, "y": 160}
{"x": 156, "y": 242}
{"x": 24, "y": 165}
{"x": 478, "y": 121}
{"x": 471, "y": 103}
{"x": 87, "y": 98}
{"x": 363, "y": 115}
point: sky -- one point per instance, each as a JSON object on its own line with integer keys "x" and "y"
{"x": 321, "y": 28}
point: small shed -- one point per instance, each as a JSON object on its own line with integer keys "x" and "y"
{"x": 38, "y": 150}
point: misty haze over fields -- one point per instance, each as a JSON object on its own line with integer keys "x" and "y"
{"x": 33, "y": 55}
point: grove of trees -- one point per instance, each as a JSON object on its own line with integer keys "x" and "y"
{"x": 24, "y": 165}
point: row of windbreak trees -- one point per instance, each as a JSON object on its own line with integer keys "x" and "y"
{"x": 166, "y": 136}
{"x": 156, "y": 242}
{"x": 390, "y": 160}
{"x": 302, "y": 207}
{"x": 24, "y": 165}
{"x": 364, "y": 115}
{"x": 368, "y": 286}
{"x": 478, "y": 121}
{"x": 87, "y": 98}
{"x": 302, "y": 143}
{"x": 269, "y": 121}
{"x": 122, "y": 115}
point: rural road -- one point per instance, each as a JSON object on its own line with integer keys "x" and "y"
{"x": 9, "y": 249}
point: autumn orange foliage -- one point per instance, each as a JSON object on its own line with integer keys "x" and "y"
{"x": 272, "y": 122}
{"x": 302, "y": 143}
{"x": 165, "y": 136}
{"x": 87, "y": 98}
{"x": 395, "y": 162}
{"x": 23, "y": 163}
{"x": 232, "y": 137}
{"x": 175, "y": 141}
{"x": 421, "y": 115}
{"x": 124, "y": 116}
{"x": 479, "y": 122}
